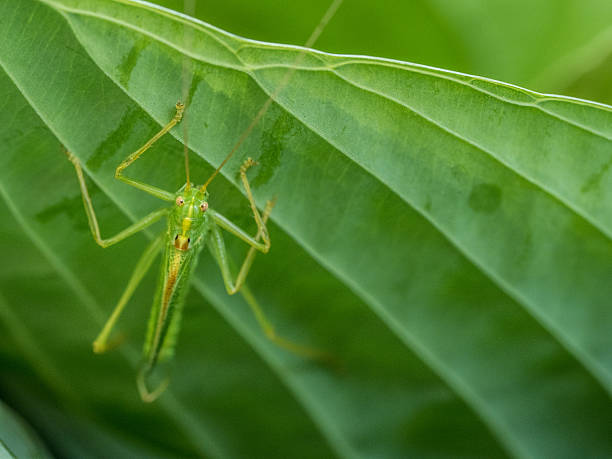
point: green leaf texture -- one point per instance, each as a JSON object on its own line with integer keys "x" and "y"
{"x": 560, "y": 46}
{"x": 447, "y": 237}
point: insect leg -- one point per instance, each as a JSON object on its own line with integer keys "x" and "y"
{"x": 270, "y": 332}
{"x": 261, "y": 225}
{"x": 218, "y": 245}
{"x": 91, "y": 214}
{"x": 262, "y": 231}
{"x": 218, "y": 249}
{"x": 147, "y": 395}
{"x": 101, "y": 343}
{"x": 157, "y": 192}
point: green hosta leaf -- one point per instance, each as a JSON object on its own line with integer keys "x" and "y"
{"x": 558, "y": 46}
{"x": 447, "y": 237}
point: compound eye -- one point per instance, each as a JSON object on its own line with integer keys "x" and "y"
{"x": 204, "y": 207}
{"x": 180, "y": 201}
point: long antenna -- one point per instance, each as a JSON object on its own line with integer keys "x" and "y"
{"x": 331, "y": 10}
{"x": 189, "y": 9}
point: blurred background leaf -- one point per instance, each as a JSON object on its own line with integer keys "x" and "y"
{"x": 446, "y": 237}
{"x": 17, "y": 439}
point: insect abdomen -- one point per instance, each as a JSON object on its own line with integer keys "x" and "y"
{"x": 165, "y": 319}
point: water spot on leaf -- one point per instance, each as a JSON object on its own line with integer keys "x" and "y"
{"x": 595, "y": 180}
{"x": 129, "y": 61}
{"x": 272, "y": 145}
{"x": 196, "y": 79}
{"x": 523, "y": 252}
{"x": 115, "y": 139}
{"x": 459, "y": 172}
{"x": 72, "y": 207}
{"x": 485, "y": 198}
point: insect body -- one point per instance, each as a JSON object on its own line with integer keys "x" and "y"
{"x": 192, "y": 225}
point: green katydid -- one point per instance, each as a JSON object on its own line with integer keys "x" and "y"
{"x": 192, "y": 225}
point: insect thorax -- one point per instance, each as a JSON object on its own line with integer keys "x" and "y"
{"x": 188, "y": 221}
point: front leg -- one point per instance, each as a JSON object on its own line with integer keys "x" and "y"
{"x": 217, "y": 244}
{"x": 157, "y": 192}
{"x": 262, "y": 230}
{"x": 91, "y": 214}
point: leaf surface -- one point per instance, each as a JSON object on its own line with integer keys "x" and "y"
{"x": 555, "y": 46}
{"x": 447, "y": 237}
